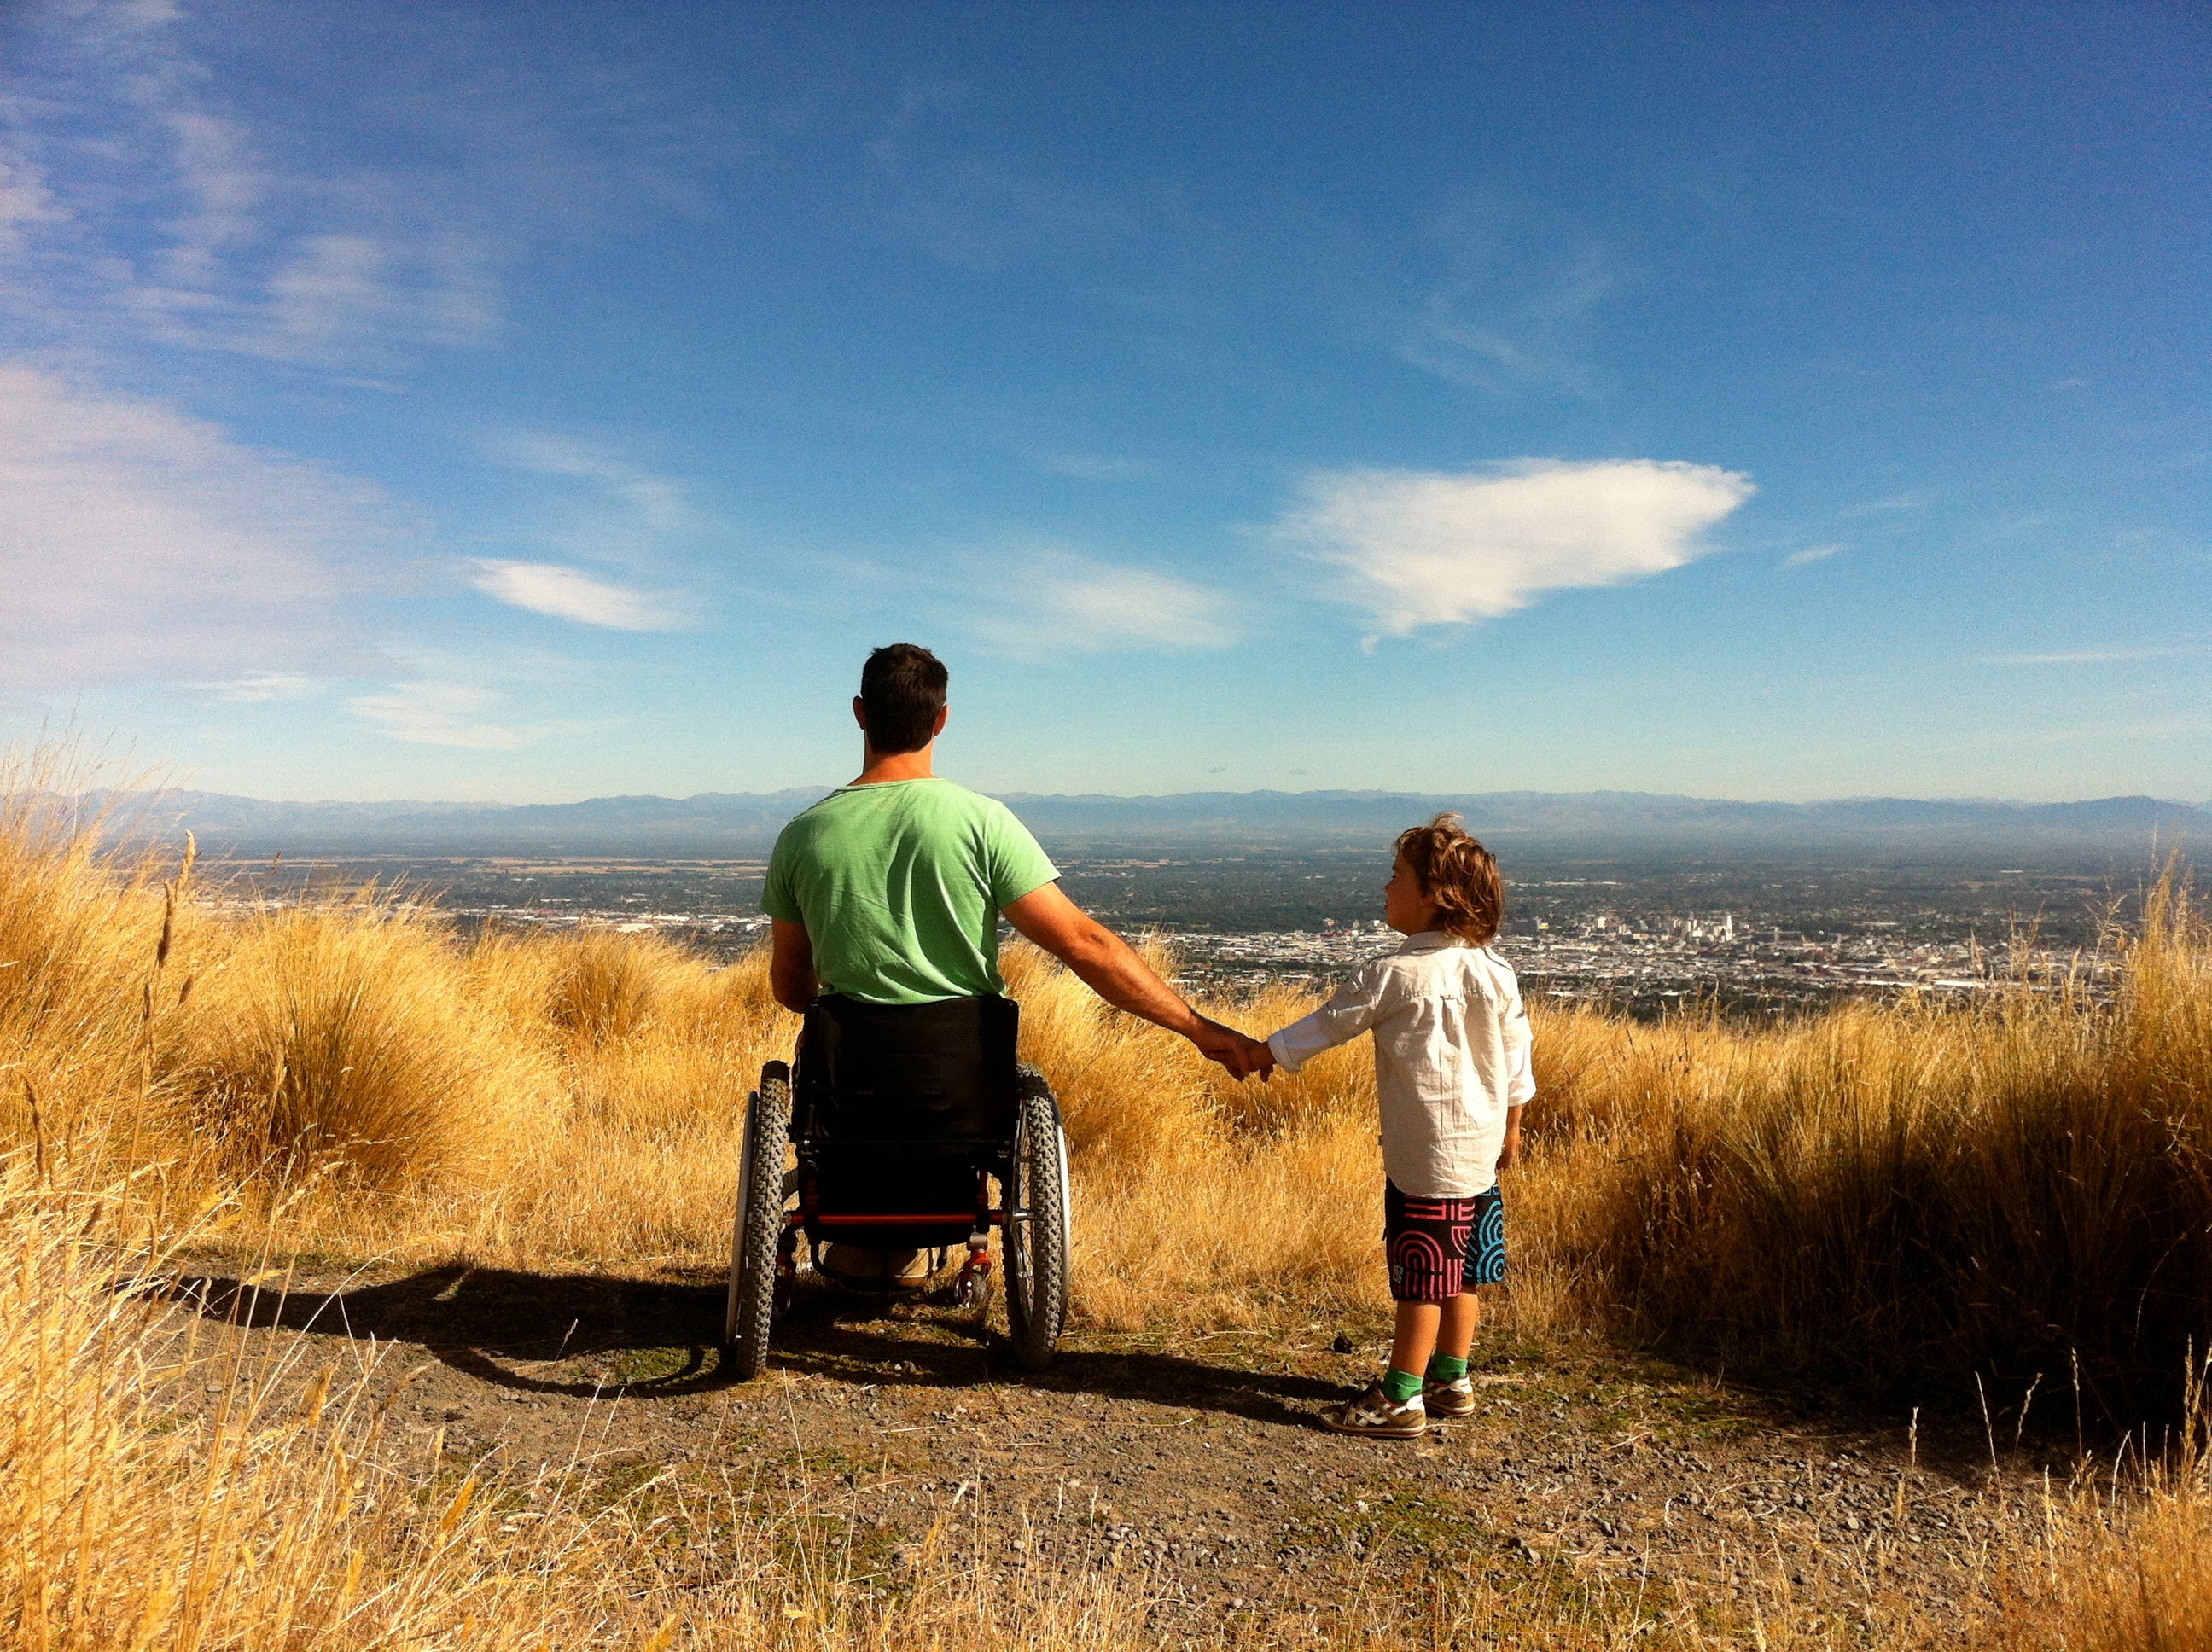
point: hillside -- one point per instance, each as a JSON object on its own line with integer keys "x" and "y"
{"x": 384, "y": 1264}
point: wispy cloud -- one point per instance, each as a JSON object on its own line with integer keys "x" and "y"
{"x": 139, "y": 542}
{"x": 419, "y": 285}
{"x": 977, "y": 213}
{"x": 1418, "y": 548}
{"x": 265, "y": 260}
{"x": 661, "y": 502}
{"x": 1095, "y": 467}
{"x": 2089, "y": 656}
{"x": 1916, "y": 501}
{"x": 437, "y": 712}
{"x": 1058, "y": 602}
{"x": 1516, "y": 306}
{"x": 1813, "y": 554}
{"x": 138, "y": 196}
{"x": 25, "y": 201}
{"x": 260, "y": 687}
{"x": 566, "y": 593}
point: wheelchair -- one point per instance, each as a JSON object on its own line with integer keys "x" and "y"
{"x": 902, "y": 1119}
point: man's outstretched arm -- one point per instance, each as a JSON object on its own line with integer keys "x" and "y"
{"x": 791, "y": 967}
{"x": 1106, "y": 965}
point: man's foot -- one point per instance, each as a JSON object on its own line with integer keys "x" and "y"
{"x": 1373, "y": 1414}
{"x": 860, "y": 1268}
{"x": 1452, "y": 1400}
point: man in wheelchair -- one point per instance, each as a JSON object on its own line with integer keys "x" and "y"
{"x": 885, "y": 898}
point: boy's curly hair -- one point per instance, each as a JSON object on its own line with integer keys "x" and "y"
{"x": 1460, "y": 875}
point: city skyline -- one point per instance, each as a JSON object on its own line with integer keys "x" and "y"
{"x": 1766, "y": 401}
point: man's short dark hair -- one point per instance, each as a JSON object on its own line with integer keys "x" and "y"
{"x": 901, "y": 689}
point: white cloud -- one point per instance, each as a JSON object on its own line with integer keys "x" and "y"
{"x": 1812, "y": 554}
{"x": 565, "y": 593}
{"x": 1061, "y": 603}
{"x": 1425, "y": 548}
{"x": 2089, "y": 657}
{"x": 139, "y": 542}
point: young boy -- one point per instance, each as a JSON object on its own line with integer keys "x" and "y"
{"x": 1451, "y": 1076}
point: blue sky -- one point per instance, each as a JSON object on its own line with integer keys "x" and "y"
{"x": 529, "y": 402}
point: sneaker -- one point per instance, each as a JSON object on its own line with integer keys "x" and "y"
{"x": 1372, "y": 1414}
{"x": 1455, "y": 1398}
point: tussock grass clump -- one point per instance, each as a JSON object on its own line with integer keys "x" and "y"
{"x": 1908, "y": 1195}
{"x": 607, "y": 985}
{"x": 345, "y": 1040}
{"x": 84, "y": 945}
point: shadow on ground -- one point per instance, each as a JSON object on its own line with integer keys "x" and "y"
{"x": 496, "y": 1325}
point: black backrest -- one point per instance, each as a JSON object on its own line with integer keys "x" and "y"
{"x": 906, "y": 1072}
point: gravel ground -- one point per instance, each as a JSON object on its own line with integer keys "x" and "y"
{"x": 1192, "y": 1464}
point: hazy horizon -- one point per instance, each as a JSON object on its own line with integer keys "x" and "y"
{"x": 825, "y": 787}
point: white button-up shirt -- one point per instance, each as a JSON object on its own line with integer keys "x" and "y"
{"x": 1451, "y": 1055}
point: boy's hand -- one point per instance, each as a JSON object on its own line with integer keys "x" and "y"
{"x": 1510, "y": 1154}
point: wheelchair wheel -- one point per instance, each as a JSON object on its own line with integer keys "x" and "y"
{"x": 758, "y": 1228}
{"x": 1037, "y": 1233}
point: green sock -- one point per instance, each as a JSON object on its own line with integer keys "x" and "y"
{"x": 1398, "y": 1386}
{"x": 1443, "y": 1367}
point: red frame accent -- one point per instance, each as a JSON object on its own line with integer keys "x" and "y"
{"x": 809, "y": 1214}
{"x": 996, "y": 1218}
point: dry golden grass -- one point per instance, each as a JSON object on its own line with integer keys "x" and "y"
{"x": 1889, "y": 1195}
{"x": 301, "y": 1525}
{"x": 1908, "y": 1196}
{"x": 2129, "y": 1579}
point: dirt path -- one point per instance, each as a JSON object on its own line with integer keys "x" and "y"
{"x": 1194, "y": 1462}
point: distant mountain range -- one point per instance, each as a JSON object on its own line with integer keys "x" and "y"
{"x": 721, "y": 823}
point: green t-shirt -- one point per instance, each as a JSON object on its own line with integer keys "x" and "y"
{"x": 899, "y": 886}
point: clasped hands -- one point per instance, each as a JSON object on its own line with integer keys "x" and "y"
{"x": 1243, "y": 1057}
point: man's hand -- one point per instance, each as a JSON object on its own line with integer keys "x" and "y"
{"x": 1243, "y": 1057}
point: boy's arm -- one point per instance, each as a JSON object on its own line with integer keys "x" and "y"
{"x": 1510, "y": 1154}
{"x": 1520, "y": 1079}
{"x": 1351, "y": 1012}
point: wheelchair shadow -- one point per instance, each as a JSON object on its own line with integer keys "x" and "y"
{"x": 859, "y": 1352}
{"x": 495, "y": 1325}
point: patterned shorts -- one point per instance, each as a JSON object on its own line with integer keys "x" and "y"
{"x": 1441, "y": 1247}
